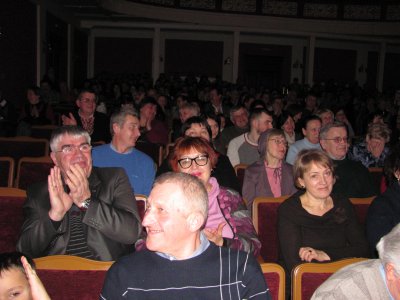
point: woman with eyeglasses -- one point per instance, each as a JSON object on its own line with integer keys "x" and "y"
{"x": 229, "y": 223}
{"x": 317, "y": 224}
{"x": 270, "y": 176}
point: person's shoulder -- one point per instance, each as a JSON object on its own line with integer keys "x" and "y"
{"x": 291, "y": 202}
{"x": 105, "y": 173}
{"x": 255, "y": 166}
{"x": 100, "y": 149}
{"x": 143, "y": 157}
{"x": 137, "y": 261}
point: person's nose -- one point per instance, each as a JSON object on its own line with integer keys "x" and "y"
{"x": 148, "y": 218}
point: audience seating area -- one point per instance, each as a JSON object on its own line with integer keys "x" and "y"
{"x": 11, "y": 217}
{"x": 361, "y": 207}
{"x": 307, "y": 277}
{"x": 274, "y": 274}
{"x": 240, "y": 170}
{"x": 141, "y": 204}
{"x": 31, "y": 170}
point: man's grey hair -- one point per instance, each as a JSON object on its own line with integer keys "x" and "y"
{"x": 193, "y": 190}
{"x": 119, "y": 116}
{"x": 389, "y": 248}
{"x": 324, "y": 130}
{"x": 73, "y": 131}
{"x": 193, "y": 106}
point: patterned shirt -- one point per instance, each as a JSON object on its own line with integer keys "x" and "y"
{"x": 360, "y": 153}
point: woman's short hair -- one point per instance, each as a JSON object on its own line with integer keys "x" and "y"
{"x": 305, "y": 159}
{"x": 379, "y": 131}
{"x": 185, "y": 144}
{"x": 202, "y": 121}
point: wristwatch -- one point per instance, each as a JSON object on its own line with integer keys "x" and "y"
{"x": 85, "y": 204}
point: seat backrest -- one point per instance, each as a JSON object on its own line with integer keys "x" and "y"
{"x": 265, "y": 220}
{"x": 153, "y": 150}
{"x": 376, "y": 174}
{"x": 240, "y": 170}
{"x": 307, "y": 277}
{"x": 31, "y": 170}
{"x": 141, "y": 204}
{"x": 274, "y": 275}
{"x": 11, "y": 217}
{"x": 42, "y": 131}
{"x": 6, "y": 171}
{"x": 71, "y": 277}
{"x": 361, "y": 206}
{"x": 17, "y": 147}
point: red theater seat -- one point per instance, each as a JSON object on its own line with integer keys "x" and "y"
{"x": 275, "y": 278}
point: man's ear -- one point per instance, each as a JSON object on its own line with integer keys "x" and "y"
{"x": 195, "y": 221}
{"x": 115, "y": 127}
{"x": 53, "y": 158}
{"x": 390, "y": 272}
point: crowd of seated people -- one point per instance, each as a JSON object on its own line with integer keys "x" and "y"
{"x": 329, "y": 169}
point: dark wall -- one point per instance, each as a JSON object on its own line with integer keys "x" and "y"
{"x": 372, "y": 70}
{"x": 391, "y": 78}
{"x": 56, "y": 48}
{"x": 17, "y": 48}
{"x": 183, "y": 57}
{"x": 336, "y": 64}
{"x": 123, "y": 55}
{"x": 266, "y": 65}
{"x": 80, "y": 57}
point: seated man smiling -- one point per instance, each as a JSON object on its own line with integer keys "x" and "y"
{"x": 180, "y": 262}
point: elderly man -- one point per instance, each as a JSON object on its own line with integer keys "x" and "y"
{"x": 244, "y": 148}
{"x": 121, "y": 152}
{"x": 240, "y": 119}
{"x": 374, "y": 279}
{"x": 81, "y": 210}
{"x": 179, "y": 262}
{"x": 94, "y": 122}
{"x": 352, "y": 178}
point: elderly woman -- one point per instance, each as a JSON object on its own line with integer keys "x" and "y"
{"x": 271, "y": 176}
{"x": 315, "y": 224}
{"x": 229, "y": 223}
{"x": 373, "y": 151}
{"x": 384, "y": 211}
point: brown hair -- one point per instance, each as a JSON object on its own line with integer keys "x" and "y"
{"x": 185, "y": 144}
{"x": 304, "y": 160}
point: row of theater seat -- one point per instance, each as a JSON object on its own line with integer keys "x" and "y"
{"x": 304, "y": 280}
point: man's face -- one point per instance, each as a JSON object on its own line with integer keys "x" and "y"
{"x": 127, "y": 135}
{"x": 76, "y": 157}
{"x": 335, "y": 143}
{"x": 14, "y": 285}
{"x": 263, "y": 123}
{"x": 186, "y": 113}
{"x": 87, "y": 103}
{"x": 311, "y": 102}
{"x": 148, "y": 111}
{"x": 312, "y": 131}
{"x": 326, "y": 118}
{"x": 166, "y": 224}
{"x": 240, "y": 118}
{"x": 215, "y": 98}
{"x": 32, "y": 97}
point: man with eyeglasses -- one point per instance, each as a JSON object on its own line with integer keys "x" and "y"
{"x": 352, "y": 178}
{"x": 81, "y": 210}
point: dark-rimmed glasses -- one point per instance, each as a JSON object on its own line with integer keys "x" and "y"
{"x": 279, "y": 142}
{"x": 68, "y": 149}
{"x": 186, "y": 162}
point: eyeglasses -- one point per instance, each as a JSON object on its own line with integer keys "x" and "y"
{"x": 68, "y": 149}
{"x": 279, "y": 142}
{"x": 186, "y": 162}
{"x": 87, "y": 100}
{"x": 338, "y": 139}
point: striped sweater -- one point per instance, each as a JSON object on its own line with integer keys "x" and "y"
{"x": 217, "y": 273}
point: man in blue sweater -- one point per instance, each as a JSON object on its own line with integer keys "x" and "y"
{"x": 180, "y": 262}
{"x": 121, "y": 152}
